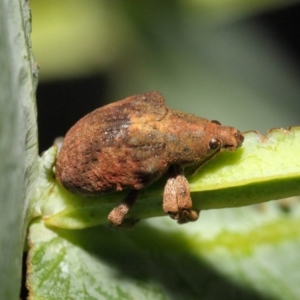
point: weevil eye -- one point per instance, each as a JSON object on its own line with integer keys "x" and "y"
{"x": 216, "y": 122}
{"x": 214, "y": 144}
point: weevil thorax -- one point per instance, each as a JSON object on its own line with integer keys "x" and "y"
{"x": 191, "y": 139}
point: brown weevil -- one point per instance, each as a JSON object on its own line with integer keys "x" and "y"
{"x": 131, "y": 143}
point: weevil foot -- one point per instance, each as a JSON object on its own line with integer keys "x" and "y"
{"x": 177, "y": 200}
{"x": 117, "y": 216}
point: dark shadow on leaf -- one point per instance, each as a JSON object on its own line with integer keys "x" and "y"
{"x": 149, "y": 255}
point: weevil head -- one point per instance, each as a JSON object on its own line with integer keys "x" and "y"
{"x": 217, "y": 138}
{"x": 224, "y": 137}
{"x": 193, "y": 139}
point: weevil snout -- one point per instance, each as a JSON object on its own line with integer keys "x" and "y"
{"x": 234, "y": 141}
{"x": 239, "y": 138}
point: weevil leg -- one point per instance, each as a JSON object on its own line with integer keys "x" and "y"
{"x": 184, "y": 200}
{"x": 177, "y": 200}
{"x": 169, "y": 198}
{"x": 117, "y": 215}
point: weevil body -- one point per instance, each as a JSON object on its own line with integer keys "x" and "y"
{"x": 129, "y": 144}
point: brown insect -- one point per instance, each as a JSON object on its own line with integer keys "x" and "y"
{"x": 129, "y": 144}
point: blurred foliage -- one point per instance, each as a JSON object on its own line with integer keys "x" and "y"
{"x": 72, "y": 37}
{"x": 206, "y": 57}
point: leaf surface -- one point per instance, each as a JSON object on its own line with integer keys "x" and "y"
{"x": 265, "y": 168}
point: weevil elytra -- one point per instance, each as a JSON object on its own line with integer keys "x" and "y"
{"x": 129, "y": 144}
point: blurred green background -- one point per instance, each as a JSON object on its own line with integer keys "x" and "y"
{"x": 234, "y": 61}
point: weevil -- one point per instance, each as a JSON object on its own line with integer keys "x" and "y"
{"x": 131, "y": 143}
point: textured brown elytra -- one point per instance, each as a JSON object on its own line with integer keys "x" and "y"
{"x": 129, "y": 144}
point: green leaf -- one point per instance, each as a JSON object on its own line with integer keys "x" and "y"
{"x": 242, "y": 253}
{"x": 265, "y": 168}
{"x": 18, "y": 139}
